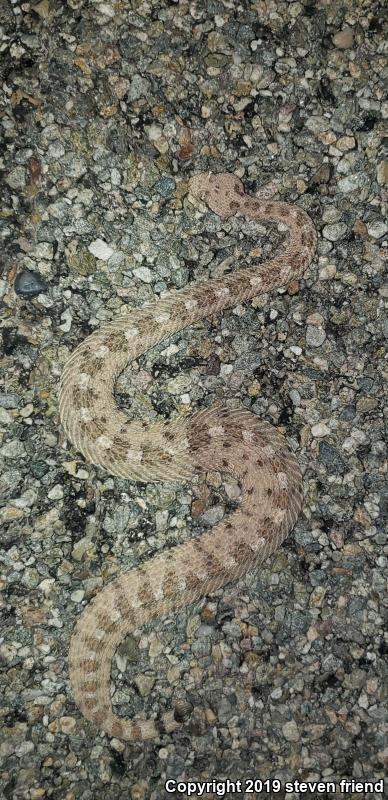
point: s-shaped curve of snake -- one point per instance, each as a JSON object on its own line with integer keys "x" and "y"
{"x": 233, "y": 441}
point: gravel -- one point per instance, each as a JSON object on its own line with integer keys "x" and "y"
{"x": 108, "y": 109}
{"x": 29, "y": 284}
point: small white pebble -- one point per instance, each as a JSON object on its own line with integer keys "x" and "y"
{"x": 26, "y": 411}
{"x": 5, "y": 417}
{"x": 319, "y": 430}
{"x": 154, "y": 132}
{"x": 100, "y": 249}
{"x": 144, "y": 274}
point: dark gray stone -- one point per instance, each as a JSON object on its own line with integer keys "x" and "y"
{"x": 29, "y": 284}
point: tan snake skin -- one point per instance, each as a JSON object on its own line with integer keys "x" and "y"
{"x": 232, "y": 441}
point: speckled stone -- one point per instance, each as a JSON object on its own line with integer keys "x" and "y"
{"x": 315, "y": 336}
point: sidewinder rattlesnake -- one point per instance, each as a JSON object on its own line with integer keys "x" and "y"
{"x": 233, "y": 441}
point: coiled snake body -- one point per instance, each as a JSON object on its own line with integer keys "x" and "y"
{"x": 232, "y": 441}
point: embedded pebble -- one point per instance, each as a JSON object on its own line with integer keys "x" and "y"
{"x": 100, "y": 249}
{"x": 44, "y": 250}
{"x": 315, "y": 336}
{"x": 382, "y": 173}
{"x": 16, "y": 179}
{"x": 345, "y": 143}
{"x": 138, "y": 87}
{"x": 377, "y": 228}
{"x": 144, "y": 274}
{"x": 320, "y": 429}
{"x": 334, "y": 232}
{"x": 29, "y": 284}
{"x": 213, "y": 515}
{"x": 56, "y": 493}
{"x": 270, "y": 669}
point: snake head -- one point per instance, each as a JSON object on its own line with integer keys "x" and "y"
{"x": 219, "y": 191}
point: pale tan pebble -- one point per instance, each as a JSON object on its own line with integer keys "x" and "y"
{"x": 293, "y": 288}
{"x": 102, "y": 351}
{"x": 10, "y": 513}
{"x": 354, "y": 69}
{"x": 282, "y": 480}
{"x": 350, "y": 278}
{"x": 104, "y": 442}
{"x": 5, "y": 417}
{"x": 67, "y": 724}
{"x": 382, "y": 173}
{"x": 218, "y": 430}
{"x": 131, "y": 334}
{"x": 327, "y": 272}
{"x": 56, "y": 493}
{"x": 344, "y": 39}
{"x": 360, "y": 229}
{"x": 232, "y": 490}
{"x": 258, "y": 544}
{"x": 320, "y": 429}
{"x": 345, "y": 143}
{"x": 138, "y": 791}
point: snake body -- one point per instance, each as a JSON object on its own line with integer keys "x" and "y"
{"x": 233, "y": 441}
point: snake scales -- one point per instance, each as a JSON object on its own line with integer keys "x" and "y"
{"x": 234, "y": 441}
